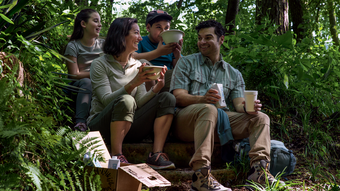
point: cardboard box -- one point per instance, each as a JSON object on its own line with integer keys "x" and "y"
{"x": 127, "y": 177}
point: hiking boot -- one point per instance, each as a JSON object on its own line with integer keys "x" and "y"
{"x": 80, "y": 127}
{"x": 259, "y": 172}
{"x": 122, "y": 159}
{"x": 159, "y": 161}
{"x": 203, "y": 180}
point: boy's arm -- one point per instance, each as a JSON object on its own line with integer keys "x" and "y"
{"x": 177, "y": 53}
{"x": 146, "y": 55}
{"x": 160, "y": 51}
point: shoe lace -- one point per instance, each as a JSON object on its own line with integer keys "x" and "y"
{"x": 266, "y": 172}
{"x": 122, "y": 159}
{"x": 163, "y": 157}
{"x": 212, "y": 182}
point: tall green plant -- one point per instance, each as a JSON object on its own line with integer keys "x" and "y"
{"x": 33, "y": 156}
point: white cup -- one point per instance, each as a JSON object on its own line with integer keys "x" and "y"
{"x": 250, "y": 97}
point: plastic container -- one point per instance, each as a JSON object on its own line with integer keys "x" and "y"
{"x": 114, "y": 163}
{"x": 87, "y": 160}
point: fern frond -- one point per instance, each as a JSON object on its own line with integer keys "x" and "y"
{"x": 34, "y": 173}
{"x": 61, "y": 131}
{"x": 13, "y": 132}
{"x": 76, "y": 177}
{"x": 70, "y": 181}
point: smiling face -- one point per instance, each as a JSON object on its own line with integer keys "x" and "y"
{"x": 93, "y": 26}
{"x": 208, "y": 43}
{"x": 133, "y": 38}
{"x": 156, "y": 29}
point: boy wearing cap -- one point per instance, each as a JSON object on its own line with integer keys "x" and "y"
{"x": 153, "y": 49}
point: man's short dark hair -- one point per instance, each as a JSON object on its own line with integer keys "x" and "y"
{"x": 219, "y": 30}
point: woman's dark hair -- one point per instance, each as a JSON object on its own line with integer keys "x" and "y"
{"x": 219, "y": 30}
{"x": 83, "y": 15}
{"x": 115, "y": 40}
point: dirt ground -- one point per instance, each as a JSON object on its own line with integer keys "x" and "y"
{"x": 301, "y": 179}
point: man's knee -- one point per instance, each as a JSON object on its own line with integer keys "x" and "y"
{"x": 208, "y": 112}
{"x": 263, "y": 118}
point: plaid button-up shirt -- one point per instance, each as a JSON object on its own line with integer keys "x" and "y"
{"x": 196, "y": 73}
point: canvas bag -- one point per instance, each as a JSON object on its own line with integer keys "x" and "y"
{"x": 281, "y": 157}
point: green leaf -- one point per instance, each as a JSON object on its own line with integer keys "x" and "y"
{"x": 6, "y": 18}
{"x": 42, "y": 31}
{"x": 247, "y": 37}
{"x": 34, "y": 173}
{"x": 5, "y": 6}
{"x": 240, "y": 50}
{"x": 328, "y": 68}
{"x": 285, "y": 40}
{"x": 15, "y": 9}
{"x": 285, "y": 80}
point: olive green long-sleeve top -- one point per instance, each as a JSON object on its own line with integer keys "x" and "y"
{"x": 108, "y": 79}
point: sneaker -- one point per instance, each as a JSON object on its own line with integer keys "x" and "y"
{"x": 159, "y": 161}
{"x": 80, "y": 127}
{"x": 122, "y": 159}
{"x": 203, "y": 180}
{"x": 259, "y": 172}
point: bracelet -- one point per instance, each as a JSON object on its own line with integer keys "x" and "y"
{"x": 245, "y": 110}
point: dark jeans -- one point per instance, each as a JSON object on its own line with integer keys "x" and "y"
{"x": 124, "y": 108}
{"x": 82, "y": 100}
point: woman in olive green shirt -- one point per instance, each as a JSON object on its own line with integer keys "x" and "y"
{"x": 122, "y": 109}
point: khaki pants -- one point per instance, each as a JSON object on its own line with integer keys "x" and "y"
{"x": 197, "y": 123}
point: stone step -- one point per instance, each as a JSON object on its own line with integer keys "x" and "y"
{"x": 183, "y": 175}
{"x": 179, "y": 153}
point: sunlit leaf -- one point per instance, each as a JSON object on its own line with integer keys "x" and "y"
{"x": 5, "y": 6}
{"x": 42, "y": 31}
{"x": 6, "y": 18}
{"x": 285, "y": 80}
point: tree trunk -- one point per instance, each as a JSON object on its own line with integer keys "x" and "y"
{"x": 277, "y": 10}
{"x": 297, "y": 11}
{"x": 332, "y": 22}
{"x": 233, "y": 6}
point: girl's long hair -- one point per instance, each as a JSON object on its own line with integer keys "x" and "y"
{"x": 83, "y": 15}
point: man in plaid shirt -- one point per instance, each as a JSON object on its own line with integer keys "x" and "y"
{"x": 196, "y": 115}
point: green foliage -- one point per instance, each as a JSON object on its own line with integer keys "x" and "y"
{"x": 32, "y": 152}
{"x": 299, "y": 80}
{"x": 298, "y": 83}
{"x": 274, "y": 186}
{"x": 314, "y": 170}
